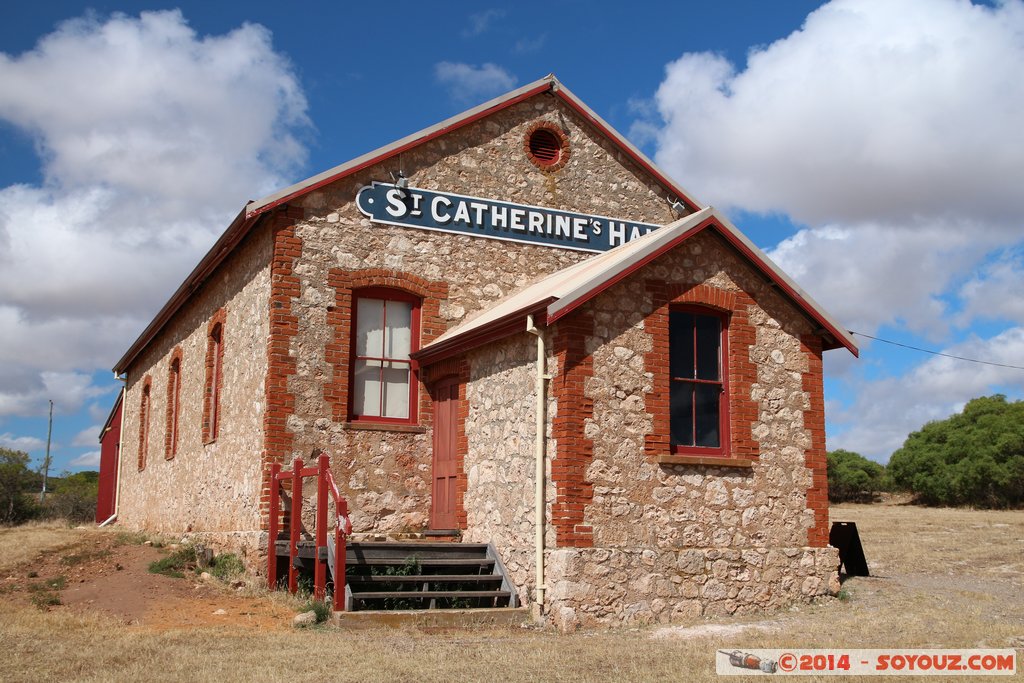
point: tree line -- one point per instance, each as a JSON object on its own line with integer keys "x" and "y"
{"x": 974, "y": 458}
{"x": 70, "y": 496}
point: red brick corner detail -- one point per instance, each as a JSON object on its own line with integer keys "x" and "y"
{"x": 284, "y": 325}
{"x": 173, "y": 403}
{"x": 814, "y": 423}
{"x": 339, "y": 319}
{"x": 573, "y": 450}
{"x": 742, "y": 371}
{"x": 214, "y": 358}
{"x": 145, "y": 408}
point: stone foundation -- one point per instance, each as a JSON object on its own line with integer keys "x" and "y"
{"x": 600, "y": 586}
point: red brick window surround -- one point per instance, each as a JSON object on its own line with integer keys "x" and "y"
{"x": 173, "y": 404}
{"x": 214, "y": 376}
{"x": 144, "y": 409}
{"x": 698, "y": 380}
{"x": 347, "y": 285}
{"x": 737, "y": 411}
{"x": 385, "y": 331}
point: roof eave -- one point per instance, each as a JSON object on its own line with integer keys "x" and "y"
{"x": 235, "y": 233}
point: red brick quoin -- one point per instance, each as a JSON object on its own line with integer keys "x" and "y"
{"x": 742, "y": 372}
{"x": 814, "y": 423}
{"x": 573, "y": 450}
{"x": 213, "y": 388}
{"x": 173, "y": 404}
{"x": 284, "y": 325}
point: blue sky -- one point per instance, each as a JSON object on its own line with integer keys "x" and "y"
{"x": 872, "y": 148}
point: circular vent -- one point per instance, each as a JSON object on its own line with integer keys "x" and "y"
{"x": 547, "y": 146}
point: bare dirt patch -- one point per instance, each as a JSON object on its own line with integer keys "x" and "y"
{"x": 99, "y": 572}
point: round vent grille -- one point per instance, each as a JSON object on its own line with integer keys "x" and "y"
{"x": 547, "y": 146}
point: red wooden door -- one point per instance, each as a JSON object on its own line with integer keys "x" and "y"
{"x": 446, "y": 421}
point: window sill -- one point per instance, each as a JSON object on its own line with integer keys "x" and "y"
{"x": 706, "y": 461}
{"x": 384, "y": 427}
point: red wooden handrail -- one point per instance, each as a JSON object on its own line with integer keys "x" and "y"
{"x": 342, "y": 527}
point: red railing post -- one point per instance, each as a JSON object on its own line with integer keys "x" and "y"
{"x": 295, "y": 525}
{"x": 273, "y": 526}
{"x": 341, "y": 512}
{"x": 320, "y": 568}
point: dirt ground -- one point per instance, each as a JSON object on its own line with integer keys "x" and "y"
{"x": 940, "y": 578}
{"x": 104, "y": 574}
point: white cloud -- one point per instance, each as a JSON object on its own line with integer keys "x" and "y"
{"x": 152, "y": 138}
{"x": 996, "y": 292}
{"x": 20, "y": 443}
{"x": 467, "y": 82}
{"x": 869, "y": 274}
{"x": 872, "y": 110}
{"x": 480, "y": 22}
{"x": 87, "y": 437}
{"x": 886, "y": 411}
{"x": 90, "y": 460}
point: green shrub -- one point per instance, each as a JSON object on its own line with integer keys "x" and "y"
{"x": 177, "y": 563}
{"x": 17, "y": 505}
{"x": 973, "y": 458}
{"x": 853, "y": 478}
{"x": 321, "y": 607}
{"x": 226, "y": 566}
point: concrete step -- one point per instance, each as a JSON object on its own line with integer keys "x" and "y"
{"x": 433, "y": 619}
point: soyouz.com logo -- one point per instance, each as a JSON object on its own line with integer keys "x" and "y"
{"x": 761, "y": 662}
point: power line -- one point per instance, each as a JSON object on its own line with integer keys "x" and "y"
{"x": 938, "y": 353}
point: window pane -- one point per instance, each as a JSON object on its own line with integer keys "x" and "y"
{"x": 680, "y": 340}
{"x": 396, "y": 390}
{"x": 366, "y": 392}
{"x": 370, "y": 327}
{"x": 707, "y": 415}
{"x": 709, "y": 339}
{"x": 399, "y": 321}
{"x": 681, "y": 404}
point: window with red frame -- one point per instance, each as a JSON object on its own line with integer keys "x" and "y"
{"x": 144, "y": 424}
{"x": 173, "y": 406}
{"x": 214, "y": 380}
{"x": 385, "y": 332}
{"x": 698, "y": 397}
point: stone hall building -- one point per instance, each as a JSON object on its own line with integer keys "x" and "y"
{"x": 515, "y": 289}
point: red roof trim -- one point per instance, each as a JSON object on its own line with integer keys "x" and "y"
{"x": 235, "y": 233}
{"x": 499, "y": 329}
{"x": 739, "y": 246}
{"x": 404, "y": 148}
{"x": 626, "y": 272}
{"x": 839, "y": 339}
{"x": 643, "y": 163}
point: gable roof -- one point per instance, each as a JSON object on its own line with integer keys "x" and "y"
{"x": 560, "y": 293}
{"x": 251, "y": 213}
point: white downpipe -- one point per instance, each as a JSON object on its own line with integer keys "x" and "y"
{"x": 120, "y": 442}
{"x": 540, "y": 473}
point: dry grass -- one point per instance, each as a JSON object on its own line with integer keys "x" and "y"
{"x": 941, "y": 578}
{"x": 21, "y": 544}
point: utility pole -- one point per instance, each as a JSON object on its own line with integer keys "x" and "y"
{"x": 46, "y": 462}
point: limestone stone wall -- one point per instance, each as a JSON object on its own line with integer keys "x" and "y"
{"x": 652, "y": 585}
{"x": 501, "y": 462}
{"x": 686, "y": 540}
{"x": 208, "y": 490}
{"x": 386, "y": 473}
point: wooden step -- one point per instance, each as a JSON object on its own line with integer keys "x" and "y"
{"x": 423, "y": 595}
{"x": 372, "y": 551}
{"x": 426, "y": 578}
{"x": 421, "y": 561}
